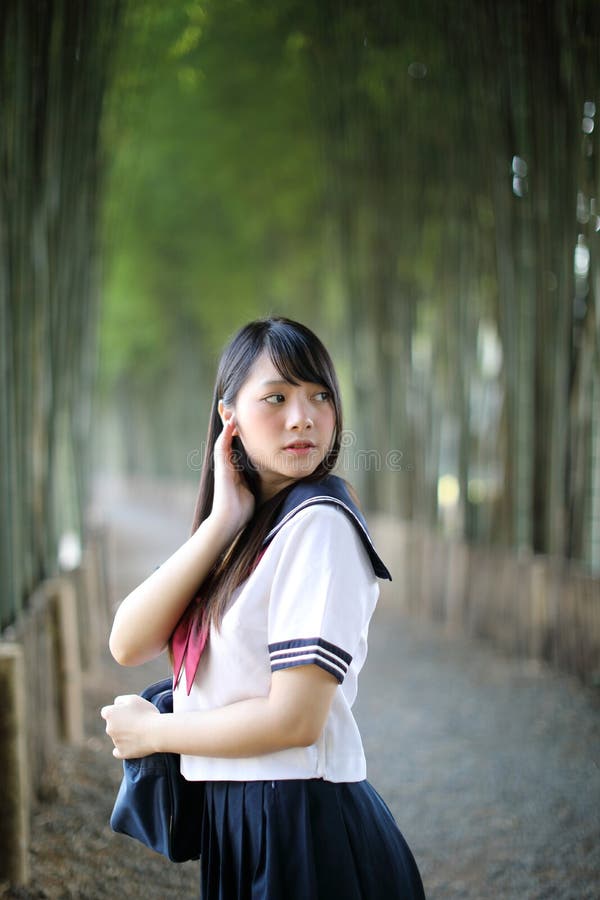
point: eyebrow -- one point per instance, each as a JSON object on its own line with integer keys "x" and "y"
{"x": 276, "y": 381}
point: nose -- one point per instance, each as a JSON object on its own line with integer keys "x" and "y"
{"x": 299, "y": 415}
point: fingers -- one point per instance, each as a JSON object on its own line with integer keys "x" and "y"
{"x": 232, "y": 422}
{"x": 125, "y": 724}
{"x": 121, "y": 700}
{"x": 124, "y": 699}
{"x": 223, "y": 449}
{"x": 228, "y": 432}
{"x": 106, "y": 713}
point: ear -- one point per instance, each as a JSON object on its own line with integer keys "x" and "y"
{"x": 225, "y": 413}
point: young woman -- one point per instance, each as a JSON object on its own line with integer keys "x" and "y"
{"x": 265, "y": 610}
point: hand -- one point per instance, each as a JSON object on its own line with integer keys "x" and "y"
{"x": 233, "y": 501}
{"x": 129, "y": 725}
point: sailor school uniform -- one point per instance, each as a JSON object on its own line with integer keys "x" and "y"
{"x": 301, "y": 822}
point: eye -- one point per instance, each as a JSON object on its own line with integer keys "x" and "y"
{"x": 274, "y": 399}
{"x": 324, "y": 395}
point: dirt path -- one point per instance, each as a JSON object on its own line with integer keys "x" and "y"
{"x": 490, "y": 765}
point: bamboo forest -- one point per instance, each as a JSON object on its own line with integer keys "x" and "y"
{"x": 416, "y": 181}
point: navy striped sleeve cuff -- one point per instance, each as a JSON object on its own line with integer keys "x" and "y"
{"x": 303, "y": 651}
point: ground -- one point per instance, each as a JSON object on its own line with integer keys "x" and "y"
{"x": 490, "y": 765}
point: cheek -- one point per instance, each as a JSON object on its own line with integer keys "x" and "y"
{"x": 329, "y": 421}
{"x": 254, "y": 423}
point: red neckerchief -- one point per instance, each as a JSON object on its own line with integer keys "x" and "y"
{"x": 190, "y": 638}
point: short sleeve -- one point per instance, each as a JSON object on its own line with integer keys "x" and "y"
{"x": 323, "y": 592}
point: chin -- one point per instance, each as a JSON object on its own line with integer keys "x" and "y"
{"x": 302, "y": 470}
{"x": 298, "y": 468}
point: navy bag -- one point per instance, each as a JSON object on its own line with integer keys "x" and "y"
{"x": 155, "y": 803}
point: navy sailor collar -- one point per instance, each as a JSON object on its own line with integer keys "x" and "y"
{"x": 333, "y": 490}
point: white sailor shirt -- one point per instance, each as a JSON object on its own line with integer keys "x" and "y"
{"x": 309, "y": 600}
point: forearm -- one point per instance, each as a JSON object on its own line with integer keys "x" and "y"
{"x": 146, "y": 618}
{"x": 247, "y": 728}
{"x": 293, "y": 715}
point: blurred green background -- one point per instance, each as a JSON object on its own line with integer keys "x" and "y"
{"x": 416, "y": 181}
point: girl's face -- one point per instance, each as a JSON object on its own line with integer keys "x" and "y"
{"x": 286, "y": 429}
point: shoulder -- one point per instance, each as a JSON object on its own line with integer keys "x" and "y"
{"x": 326, "y": 510}
{"x": 322, "y": 532}
{"x": 318, "y": 519}
{"x": 325, "y": 494}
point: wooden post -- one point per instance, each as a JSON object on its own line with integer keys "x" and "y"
{"x": 67, "y": 658}
{"x": 389, "y": 537}
{"x": 539, "y": 608}
{"x": 458, "y": 565}
{"x": 93, "y": 627}
{"x": 14, "y": 780}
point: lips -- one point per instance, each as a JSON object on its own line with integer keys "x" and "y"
{"x": 299, "y": 445}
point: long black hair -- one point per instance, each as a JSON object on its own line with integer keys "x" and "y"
{"x": 298, "y": 355}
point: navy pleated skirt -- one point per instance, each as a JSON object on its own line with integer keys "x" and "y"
{"x": 303, "y": 840}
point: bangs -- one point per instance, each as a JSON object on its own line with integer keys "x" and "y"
{"x": 295, "y": 359}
